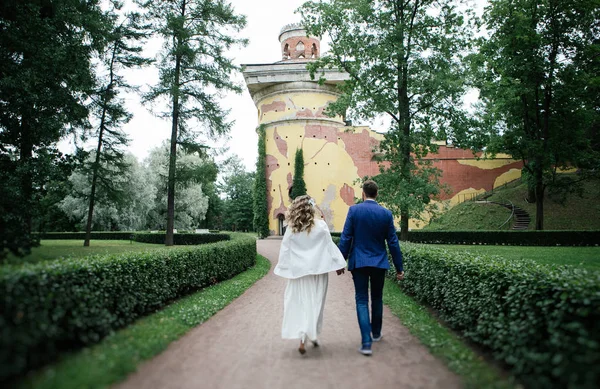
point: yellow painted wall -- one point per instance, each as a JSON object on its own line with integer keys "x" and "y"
{"x": 328, "y": 164}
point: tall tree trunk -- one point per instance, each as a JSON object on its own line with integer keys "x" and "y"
{"x": 88, "y": 226}
{"x": 105, "y": 98}
{"x": 173, "y": 160}
{"x": 404, "y": 106}
{"x": 26, "y": 172}
{"x": 173, "y": 151}
{"x": 539, "y": 195}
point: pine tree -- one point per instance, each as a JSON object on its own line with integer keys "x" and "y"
{"x": 261, "y": 218}
{"x": 122, "y": 52}
{"x": 298, "y": 184}
{"x": 194, "y": 70}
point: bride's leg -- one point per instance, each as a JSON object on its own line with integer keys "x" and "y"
{"x": 302, "y": 349}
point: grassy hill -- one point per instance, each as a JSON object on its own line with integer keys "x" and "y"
{"x": 576, "y": 213}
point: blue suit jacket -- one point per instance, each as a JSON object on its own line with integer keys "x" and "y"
{"x": 368, "y": 226}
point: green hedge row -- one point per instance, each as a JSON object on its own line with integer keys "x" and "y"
{"x": 61, "y": 305}
{"x": 541, "y": 321}
{"x": 512, "y": 238}
{"x": 96, "y": 235}
{"x": 181, "y": 239}
{"x": 143, "y": 237}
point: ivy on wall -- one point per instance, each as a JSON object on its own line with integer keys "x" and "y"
{"x": 261, "y": 217}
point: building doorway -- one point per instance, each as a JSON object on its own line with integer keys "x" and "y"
{"x": 281, "y": 227}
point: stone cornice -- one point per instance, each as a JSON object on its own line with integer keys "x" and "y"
{"x": 294, "y": 87}
{"x": 262, "y": 76}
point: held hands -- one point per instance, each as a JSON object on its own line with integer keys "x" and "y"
{"x": 400, "y": 276}
{"x": 340, "y": 271}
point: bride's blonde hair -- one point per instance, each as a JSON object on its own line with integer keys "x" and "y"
{"x": 301, "y": 215}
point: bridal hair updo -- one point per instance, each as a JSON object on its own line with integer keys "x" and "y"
{"x": 301, "y": 215}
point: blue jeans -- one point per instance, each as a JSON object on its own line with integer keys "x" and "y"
{"x": 362, "y": 276}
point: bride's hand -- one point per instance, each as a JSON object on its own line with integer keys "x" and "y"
{"x": 340, "y": 271}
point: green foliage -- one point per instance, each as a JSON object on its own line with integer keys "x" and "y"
{"x": 298, "y": 184}
{"x": 442, "y": 342}
{"x": 57, "y": 305}
{"x": 536, "y": 77}
{"x": 237, "y": 186}
{"x": 541, "y": 321}
{"x": 261, "y": 217}
{"x": 403, "y": 60}
{"x": 181, "y": 239}
{"x": 123, "y": 196}
{"x": 45, "y": 56}
{"x": 120, "y": 353}
{"x": 195, "y": 182}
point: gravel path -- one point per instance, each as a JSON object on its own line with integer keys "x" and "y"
{"x": 241, "y": 347}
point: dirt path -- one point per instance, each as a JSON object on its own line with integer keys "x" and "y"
{"x": 241, "y": 347}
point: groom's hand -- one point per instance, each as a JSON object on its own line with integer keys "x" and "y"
{"x": 400, "y": 275}
{"x": 340, "y": 272}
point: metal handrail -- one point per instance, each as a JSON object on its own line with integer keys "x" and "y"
{"x": 511, "y": 214}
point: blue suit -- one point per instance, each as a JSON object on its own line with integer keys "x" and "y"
{"x": 368, "y": 226}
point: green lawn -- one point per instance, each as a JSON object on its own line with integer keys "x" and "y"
{"x": 584, "y": 257}
{"x": 472, "y": 216}
{"x": 53, "y": 249}
{"x": 119, "y": 354}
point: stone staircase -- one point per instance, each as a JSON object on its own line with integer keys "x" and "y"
{"x": 520, "y": 217}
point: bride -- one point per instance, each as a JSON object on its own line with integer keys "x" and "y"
{"x": 307, "y": 254}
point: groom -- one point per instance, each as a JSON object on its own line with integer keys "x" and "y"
{"x": 368, "y": 226}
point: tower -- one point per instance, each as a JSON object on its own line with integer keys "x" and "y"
{"x": 291, "y": 109}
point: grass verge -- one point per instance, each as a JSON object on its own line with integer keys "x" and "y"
{"x": 119, "y": 354}
{"x": 443, "y": 343}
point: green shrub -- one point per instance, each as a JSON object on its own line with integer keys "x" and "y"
{"x": 180, "y": 239}
{"x": 512, "y": 238}
{"x": 542, "y": 321}
{"x": 54, "y": 306}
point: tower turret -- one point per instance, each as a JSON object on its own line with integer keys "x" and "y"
{"x": 296, "y": 45}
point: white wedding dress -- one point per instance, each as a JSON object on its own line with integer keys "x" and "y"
{"x": 305, "y": 259}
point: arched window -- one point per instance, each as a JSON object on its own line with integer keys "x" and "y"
{"x": 286, "y": 51}
{"x": 300, "y": 46}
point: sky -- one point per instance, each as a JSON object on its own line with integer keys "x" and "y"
{"x": 265, "y": 18}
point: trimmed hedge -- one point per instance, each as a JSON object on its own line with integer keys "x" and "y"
{"x": 96, "y": 235}
{"x": 181, "y": 239}
{"x": 511, "y": 238}
{"x": 541, "y": 321}
{"x": 142, "y": 237}
{"x": 61, "y": 305}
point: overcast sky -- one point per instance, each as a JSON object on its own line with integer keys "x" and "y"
{"x": 265, "y": 18}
